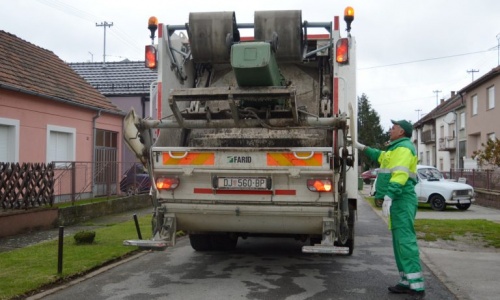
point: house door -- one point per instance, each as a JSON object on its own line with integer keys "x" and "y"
{"x": 105, "y": 164}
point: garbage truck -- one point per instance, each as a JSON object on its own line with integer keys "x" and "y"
{"x": 253, "y": 131}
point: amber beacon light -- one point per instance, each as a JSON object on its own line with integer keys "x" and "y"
{"x": 348, "y": 17}
{"x": 152, "y": 26}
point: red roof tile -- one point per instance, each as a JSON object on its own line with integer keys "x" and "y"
{"x": 32, "y": 69}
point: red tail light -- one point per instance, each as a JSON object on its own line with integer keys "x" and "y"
{"x": 319, "y": 185}
{"x": 150, "y": 53}
{"x": 167, "y": 183}
{"x": 342, "y": 56}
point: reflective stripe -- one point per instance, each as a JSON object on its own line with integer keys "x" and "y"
{"x": 417, "y": 286}
{"x": 412, "y": 276}
{"x": 403, "y": 282}
{"x": 399, "y": 168}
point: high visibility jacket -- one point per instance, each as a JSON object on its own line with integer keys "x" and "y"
{"x": 398, "y": 169}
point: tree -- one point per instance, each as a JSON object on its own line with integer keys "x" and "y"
{"x": 370, "y": 131}
{"x": 490, "y": 155}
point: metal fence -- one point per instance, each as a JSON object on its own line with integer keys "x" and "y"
{"x": 481, "y": 179}
{"x": 82, "y": 180}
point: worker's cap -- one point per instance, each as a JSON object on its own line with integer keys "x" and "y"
{"x": 407, "y": 127}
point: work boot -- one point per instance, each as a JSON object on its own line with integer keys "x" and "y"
{"x": 416, "y": 295}
{"x": 399, "y": 289}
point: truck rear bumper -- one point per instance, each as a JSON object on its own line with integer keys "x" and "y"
{"x": 250, "y": 218}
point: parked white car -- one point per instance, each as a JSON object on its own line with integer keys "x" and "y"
{"x": 434, "y": 189}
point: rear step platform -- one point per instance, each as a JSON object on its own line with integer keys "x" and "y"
{"x": 147, "y": 244}
{"x": 325, "y": 249}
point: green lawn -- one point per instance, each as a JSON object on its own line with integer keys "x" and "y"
{"x": 432, "y": 230}
{"x": 30, "y": 268}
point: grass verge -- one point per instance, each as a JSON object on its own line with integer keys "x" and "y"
{"x": 28, "y": 269}
{"x": 479, "y": 229}
{"x": 432, "y": 230}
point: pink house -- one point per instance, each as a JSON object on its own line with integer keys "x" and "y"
{"x": 48, "y": 113}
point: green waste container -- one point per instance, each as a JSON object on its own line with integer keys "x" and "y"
{"x": 360, "y": 183}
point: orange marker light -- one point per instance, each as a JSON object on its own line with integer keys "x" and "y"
{"x": 342, "y": 51}
{"x": 167, "y": 183}
{"x": 150, "y": 57}
{"x": 319, "y": 185}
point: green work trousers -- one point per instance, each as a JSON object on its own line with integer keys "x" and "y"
{"x": 404, "y": 242}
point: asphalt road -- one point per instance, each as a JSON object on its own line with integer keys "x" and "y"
{"x": 260, "y": 268}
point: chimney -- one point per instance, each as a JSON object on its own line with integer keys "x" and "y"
{"x": 442, "y": 100}
{"x": 452, "y": 94}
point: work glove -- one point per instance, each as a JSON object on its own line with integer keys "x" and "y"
{"x": 386, "y": 206}
{"x": 359, "y": 146}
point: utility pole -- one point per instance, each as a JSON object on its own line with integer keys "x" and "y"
{"x": 498, "y": 48}
{"x": 418, "y": 114}
{"x": 92, "y": 56}
{"x": 472, "y": 71}
{"x": 437, "y": 96}
{"x": 104, "y": 24}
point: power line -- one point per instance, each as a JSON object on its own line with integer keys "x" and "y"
{"x": 426, "y": 59}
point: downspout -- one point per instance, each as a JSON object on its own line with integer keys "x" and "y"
{"x": 94, "y": 129}
{"x": 458, "y": 148}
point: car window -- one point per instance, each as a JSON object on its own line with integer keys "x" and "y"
{"x": 430, "y": 174}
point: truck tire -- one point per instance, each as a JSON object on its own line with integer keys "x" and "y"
{"x": 463, "y": 206}
{"x": 437, "y": 203}
{"x": 200, "y": 242}
{"x": 223, "y": 242}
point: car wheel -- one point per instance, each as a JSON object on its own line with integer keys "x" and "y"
{"x": 367, "y": 180}
{"x": 463, "y": 206}
{"x": 379, "y": 202}
{"x": 437, "y": 203}
{"x": 132, "y": 189}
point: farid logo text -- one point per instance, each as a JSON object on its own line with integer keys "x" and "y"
{"x": 239, "y": 159}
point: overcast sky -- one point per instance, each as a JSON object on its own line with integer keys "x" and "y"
{"x": 406, "y": 49}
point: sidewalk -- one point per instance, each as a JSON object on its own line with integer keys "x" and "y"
{"x": 469, "y": 271}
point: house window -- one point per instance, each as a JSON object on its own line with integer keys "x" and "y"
{"x": 9, "y": 140}
{"x": 491, "y": 136}
{"x": 474, "y": 105}
{"x": 491, "y": 97}
{"x": 462, "y": 120}
{"x": 427, "y": 158}
{"x": 61, "y": 143}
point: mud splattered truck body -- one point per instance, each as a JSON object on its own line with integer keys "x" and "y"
{"x": 253, "y": 134}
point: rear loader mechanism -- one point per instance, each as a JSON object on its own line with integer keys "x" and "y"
{"x": 261, "y": 99}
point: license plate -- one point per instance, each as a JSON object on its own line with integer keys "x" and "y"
{"x": 244, "y": 183}
{"x": 463, "y": 201}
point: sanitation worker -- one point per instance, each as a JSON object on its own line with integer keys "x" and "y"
{"x": 396, "y": 185}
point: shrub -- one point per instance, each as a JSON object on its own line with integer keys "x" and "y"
{"x": 84, "y": 237}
